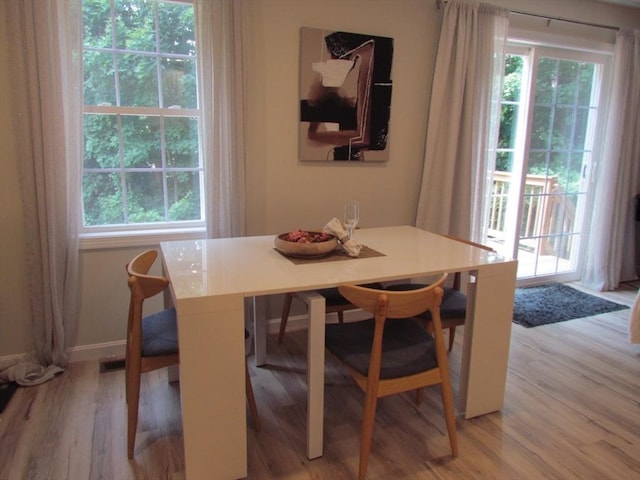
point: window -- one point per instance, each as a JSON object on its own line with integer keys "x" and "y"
{"x": 142, "y": 168}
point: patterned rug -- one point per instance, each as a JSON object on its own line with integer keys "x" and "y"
{"x": 556, "y": 302}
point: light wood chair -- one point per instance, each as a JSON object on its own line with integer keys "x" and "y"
{"x": 393, "y": 352}
{"x": 334, "y": 303}
{"x": 152, "y": 341}
{"x": 453, "y": 310}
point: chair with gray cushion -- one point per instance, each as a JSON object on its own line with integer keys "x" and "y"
{"x": 393, "y": 352}
{"x": 453, "y": 310}
{"x": 152, "y": 341}
{"x": 334, "y": 303}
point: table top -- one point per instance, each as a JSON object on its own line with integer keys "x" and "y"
{"x": 251, "y": 266}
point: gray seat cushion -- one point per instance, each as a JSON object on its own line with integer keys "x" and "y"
{"x": 332, "y": 295}
{"x": 407, "y": 348}
{"x": 454, "y": 302}
{"x": 160, "y": 334}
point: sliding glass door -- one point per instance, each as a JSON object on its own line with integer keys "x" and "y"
{"x": 548, "y": 133}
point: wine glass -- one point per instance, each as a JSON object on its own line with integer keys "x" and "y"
{"x": 351, "y": 216}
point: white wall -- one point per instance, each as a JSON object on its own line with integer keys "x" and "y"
{"x": 282, "y": 193}
{"x": 285, "y": 193}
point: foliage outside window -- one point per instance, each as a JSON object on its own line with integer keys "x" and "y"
{"x": 141, "y": 119}
{"x": 562, "y": 105}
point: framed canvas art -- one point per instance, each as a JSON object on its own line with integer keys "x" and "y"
{"x": 345, "y": 96}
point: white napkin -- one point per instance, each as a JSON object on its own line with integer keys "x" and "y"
{"x": 334, "y": 227}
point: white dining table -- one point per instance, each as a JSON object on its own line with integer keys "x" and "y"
{"x": 216, "y": 283}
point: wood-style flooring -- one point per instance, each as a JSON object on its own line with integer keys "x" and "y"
{"x": 572, "y": 411}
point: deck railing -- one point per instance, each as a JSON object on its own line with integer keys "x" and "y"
{"x": 547, "y": 218}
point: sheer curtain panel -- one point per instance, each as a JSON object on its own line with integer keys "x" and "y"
{"x": 463, "y": 120}
{"x": 219, "y": 41}
{"x": 611, "y": 237}
{"x": 45, "y": 58}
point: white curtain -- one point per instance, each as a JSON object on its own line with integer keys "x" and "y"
{"x": 611, "y": 238}
{"x": 219, "y": 40}
{"x": 462, "y": 130}
{"x": 45, "y": 58}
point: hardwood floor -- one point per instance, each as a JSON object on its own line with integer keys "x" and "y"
{"x": 572, "y": 411}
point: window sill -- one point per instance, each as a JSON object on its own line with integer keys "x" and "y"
{"x": 138, "y": 238}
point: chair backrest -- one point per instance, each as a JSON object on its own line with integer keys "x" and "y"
{"x": 396, "y": 304}
{"x": 385, "y": 304}
{"x": 142, "y": 286}
{"x": 469, "y": 242}
{"x": 456, "y": 277}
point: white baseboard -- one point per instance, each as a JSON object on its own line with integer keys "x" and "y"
{"x": 98, "y": 351}
{"x": 301, "y": 322}
{"x": 81, "y": 353}
{"x": 7, "y": 360}
{"x": 295, "y": 322}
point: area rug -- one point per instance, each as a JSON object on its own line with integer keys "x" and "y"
{"x": 556, "y": 302}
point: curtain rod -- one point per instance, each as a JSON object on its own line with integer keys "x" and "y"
{"x": 440, "y": 3}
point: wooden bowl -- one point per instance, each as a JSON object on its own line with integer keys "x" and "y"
{"x": 314, "y": 249}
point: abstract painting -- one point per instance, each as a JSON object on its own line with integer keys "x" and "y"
{"x": 345, "y": 96}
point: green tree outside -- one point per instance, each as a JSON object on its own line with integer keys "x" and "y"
{"x": 561, "y": 112}
{"x": 134, "y": 162}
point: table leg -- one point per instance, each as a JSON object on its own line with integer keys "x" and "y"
{"x": 487, "y": 339}
{"x": 212, "y": 387}
{"x": 315, "y": 372}
{"x": 260, "y": 330}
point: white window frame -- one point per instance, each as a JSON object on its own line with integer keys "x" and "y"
{"x": 143, "y": 234}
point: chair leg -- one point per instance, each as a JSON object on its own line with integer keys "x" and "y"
{"x": 340, "y": 316}
{"x": 251, "y": 399}
{"x": 449, "y": 414}
{"x": 127, "y": 362}
{"x": 133, "y": 398}
{"x": 419, "y": 395}
{"x": 286, "y": 307}
{"x": 452, "y": 336}
{"x": 368, "y": 419}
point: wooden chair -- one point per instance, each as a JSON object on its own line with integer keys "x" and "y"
{"x": 453, "y": 310}
{"x": 334, "y": 303}
{"x": 152, "y": 341}
{"x": 392, "y": 352}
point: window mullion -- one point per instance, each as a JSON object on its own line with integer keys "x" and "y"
{"x": 163, "y": 144}
{"x": 114, "y": 45}
{"x": 123, "y": 171}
